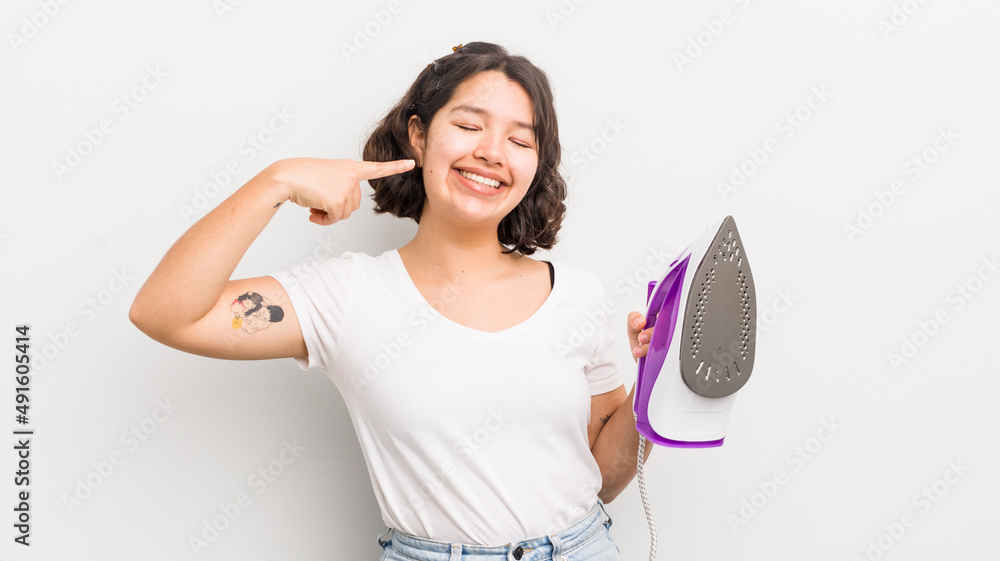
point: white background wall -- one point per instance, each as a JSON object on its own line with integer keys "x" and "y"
{"x": 864, "y": 226}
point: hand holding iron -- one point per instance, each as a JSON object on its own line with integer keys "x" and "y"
{"x": 638, "y": 339}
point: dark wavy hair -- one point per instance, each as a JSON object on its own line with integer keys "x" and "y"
{"x": 534, "y": 222}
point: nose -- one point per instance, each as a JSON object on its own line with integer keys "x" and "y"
{"x": 490, "y": 148}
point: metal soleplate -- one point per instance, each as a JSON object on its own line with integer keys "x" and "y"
{"x": 720, "y": 318}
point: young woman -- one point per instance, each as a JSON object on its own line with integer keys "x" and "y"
{"x": 481, "y": 382}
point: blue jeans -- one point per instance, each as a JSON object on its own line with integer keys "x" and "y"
{"x": 587, "y": 540}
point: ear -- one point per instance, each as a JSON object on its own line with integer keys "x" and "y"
{"x": 417, "y": 137}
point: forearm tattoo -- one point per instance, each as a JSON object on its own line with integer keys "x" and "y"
{"x": 252, "y": 312}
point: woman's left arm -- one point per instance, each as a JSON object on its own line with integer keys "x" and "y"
{"x": 613, "y": 438}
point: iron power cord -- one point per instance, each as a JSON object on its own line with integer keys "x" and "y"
{"x": 642, "y": 493}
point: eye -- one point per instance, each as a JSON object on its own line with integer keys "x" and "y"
{"x": 521, "y": 144}
{"x": 466, "y": 128}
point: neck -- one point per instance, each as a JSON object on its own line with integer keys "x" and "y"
{"x": 453, "y": 255}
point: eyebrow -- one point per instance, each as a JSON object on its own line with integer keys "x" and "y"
{"x": 485, "y": 113}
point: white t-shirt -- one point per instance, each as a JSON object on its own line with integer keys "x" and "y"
{"x": 469, "y": 436}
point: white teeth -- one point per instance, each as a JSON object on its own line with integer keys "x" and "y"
{"x": 480, "y": 179}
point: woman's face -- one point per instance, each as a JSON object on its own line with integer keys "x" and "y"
{"x": 485, "y": 130}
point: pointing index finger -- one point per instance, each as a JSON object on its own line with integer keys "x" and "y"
{"x": 374, "y": 170}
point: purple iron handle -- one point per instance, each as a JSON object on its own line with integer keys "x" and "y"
{"x": 664, "y": 301}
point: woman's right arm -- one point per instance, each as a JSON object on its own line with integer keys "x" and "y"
{"x": 189, "y": 301}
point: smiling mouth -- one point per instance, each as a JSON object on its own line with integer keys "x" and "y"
{"x": 485, "y": 181}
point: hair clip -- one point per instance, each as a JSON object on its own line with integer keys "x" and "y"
{"x": 456, "y": 49}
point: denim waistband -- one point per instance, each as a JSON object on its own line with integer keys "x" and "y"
{"x": 551, "y": 545}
